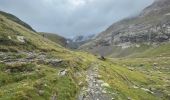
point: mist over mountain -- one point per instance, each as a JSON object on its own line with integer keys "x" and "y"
{"x": 70, "y": 18}
{"x": 136, "y": 34}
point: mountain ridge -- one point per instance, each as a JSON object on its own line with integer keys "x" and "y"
{"x": 150, "y": 28}
{"x": 16, "y": 19}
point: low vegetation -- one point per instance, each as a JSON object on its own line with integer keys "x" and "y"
{"x": 33, "y": 67}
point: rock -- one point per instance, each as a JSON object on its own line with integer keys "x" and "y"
{"x": 113, "y": 93}
{"x": 41, "y": 92}
{"x": 131, "y": 69}
{"x": 8, "y": 71}
{"x": 135, "y": 87}
{"x": 152, "y": 89}
{"x": 97, "y": 85}
{"x": 54, "y": 62}
{"x": 63, "y": 72}
{"x": 45, "y": 85}
{"x": 155, "y": 64}
{"x": 105, "y": 85}
{"x": 54, "y": 97}
{"x": 100, "y": 81}
{"x": 147, "y": 90}
{"x": 9, "y": 37}
{"x": 129, "y": 98}
{"x": 102, "y": 58}
{"x": 99, "y": 76}
{"x": 21, "y": 39}
{"x": 80, "y": 83}
{"x": 137, "y": 45}
{"x": 104, "y": 92}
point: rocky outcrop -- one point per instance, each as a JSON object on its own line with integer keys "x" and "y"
{"x": 151, "y": 27}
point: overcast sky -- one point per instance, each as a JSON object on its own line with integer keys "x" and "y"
{"x": 72, "y": 17}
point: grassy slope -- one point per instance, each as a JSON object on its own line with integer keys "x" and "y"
{"x": 124, "y": 75}
{"x": 55, "y": 38}
{"x": 160, "y": 51}
{"x": 43, "y": 82}
{"x": 15, "y": 19}
{"x": 26, "y": 85}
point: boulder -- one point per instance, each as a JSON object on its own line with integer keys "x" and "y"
{"x": 102, "y": 58}
{"x": 21, "y": 39}
{"x": 63, "y": 72}
{"x": 105, "y": 85}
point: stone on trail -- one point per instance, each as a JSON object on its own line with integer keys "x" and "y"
{"x": 105, "y": 85}
{"x": 63, "y": 72}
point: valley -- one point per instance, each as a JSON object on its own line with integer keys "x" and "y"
{"x": 128, "y": 61}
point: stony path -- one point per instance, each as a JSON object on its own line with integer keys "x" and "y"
{"x": 96, "y": 88}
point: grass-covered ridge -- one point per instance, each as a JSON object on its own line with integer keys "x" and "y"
{"x": 29, "y": 67}
{"x": 17, "y": 20}
{"x": 138, "y": 79}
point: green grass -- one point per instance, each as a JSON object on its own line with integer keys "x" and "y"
{"x": 31, "y": 81}
{"x": 160, "y": 51}
{"x": 36, "y": 81}
{"x": 55, "y": 38}
{"x": 124, "y": 74}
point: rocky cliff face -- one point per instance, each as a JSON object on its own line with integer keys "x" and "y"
{"x": 151, "y": 27}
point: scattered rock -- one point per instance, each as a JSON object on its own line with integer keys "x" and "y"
{"x": 105, "y": 85}
{"x": 99, "y": 76}
{"x": 96, "y": 88}
{"x": 80, "y": 84}
{"x": 41, "y": 92}
{"x": 131, "y": 69}
{"x": 129, "y": 98}
{"x": 100, "y": 81}
{"x": 104, "y": 91}
{"x": 54, "y": 97}
{"x": 152, "y": 89}
{"x": 147, "y": 90}
{"x": 54, "y": 62}
{"x": 155, "y": 64}
{"x": 9, "y": 37}
{"x": 135, "y": 87}
{"x": 62, "y": 72}
{"x": 21, "y": 39}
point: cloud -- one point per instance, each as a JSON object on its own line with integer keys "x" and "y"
{"x": 72, "y": 17}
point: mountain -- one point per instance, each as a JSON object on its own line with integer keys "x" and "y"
{"x": 77, "y": 41}
{"x": 134, "y": 35}
{"x": 32, "y": 67}
{"x": 17, "y": 20}
{"x": 82, "y": 38}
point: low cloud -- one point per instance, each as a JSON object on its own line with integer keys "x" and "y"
{"x": 72, "y": 17}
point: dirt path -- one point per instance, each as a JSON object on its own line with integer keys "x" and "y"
{"x": 96, "y": 88}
